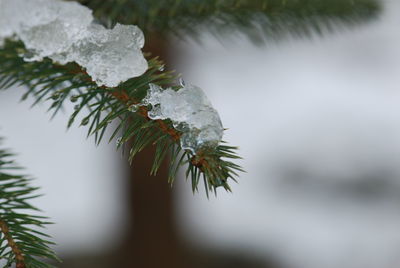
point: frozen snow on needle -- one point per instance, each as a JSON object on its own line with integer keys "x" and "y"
{"x": 66, "y": 32}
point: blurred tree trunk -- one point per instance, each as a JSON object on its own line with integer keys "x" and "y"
{"x": 152, "y": 239}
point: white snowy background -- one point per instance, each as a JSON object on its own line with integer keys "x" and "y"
{"x": 82, "y": 184}
{"x": 318, "y": 125}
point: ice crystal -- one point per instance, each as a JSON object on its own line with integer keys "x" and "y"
{"x": 65, "y": 32}
{"x": 190, "y": 112}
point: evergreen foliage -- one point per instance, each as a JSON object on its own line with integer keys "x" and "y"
{"x": 258, "y": 19}
{"x": 20, "y": 241}
{"x": 99, "y": 106}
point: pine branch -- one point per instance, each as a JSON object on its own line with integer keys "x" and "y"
{"x": 46, "y": 80}
{"x": 257, "y": 19}
{"x": 20, "y": 243}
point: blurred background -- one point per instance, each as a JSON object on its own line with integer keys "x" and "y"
{"x": 317, "y": 122}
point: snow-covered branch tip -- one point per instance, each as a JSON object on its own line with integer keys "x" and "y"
{"x": 65, "y": 32}
{"x": 190, "y": 112}
{"x": 57, "y": 50}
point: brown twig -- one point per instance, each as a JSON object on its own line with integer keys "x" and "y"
{"x": 20, "y": 260}
{"x": 124, "y": 97}
{"x": 121, "y": 95}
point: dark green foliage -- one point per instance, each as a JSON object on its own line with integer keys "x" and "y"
{"x": 17, "y": 223}
{"x": 255, "y": 18}
{"x": 99, "y": 106}
{"x": 96, "y": 107}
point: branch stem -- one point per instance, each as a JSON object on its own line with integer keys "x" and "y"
{"x": 19, "y": 257}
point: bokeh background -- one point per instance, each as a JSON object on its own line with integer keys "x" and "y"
{"x": 317, "y": 121}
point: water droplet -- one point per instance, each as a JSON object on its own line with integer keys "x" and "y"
{"x": 161, "y": 68}
{"x": 56, "y": 95}
{"x": 85, "y": 121}
{"x": 119, "y": 141}
{"x": 133, "y": 108}
{"x": 181, "y": 82}
{"x": 74, "y": 98}
{"x": 29, "y": 56}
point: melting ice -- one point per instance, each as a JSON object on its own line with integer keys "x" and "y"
{"x": 190, "y": 112}
{"x": 65, "y": 32}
